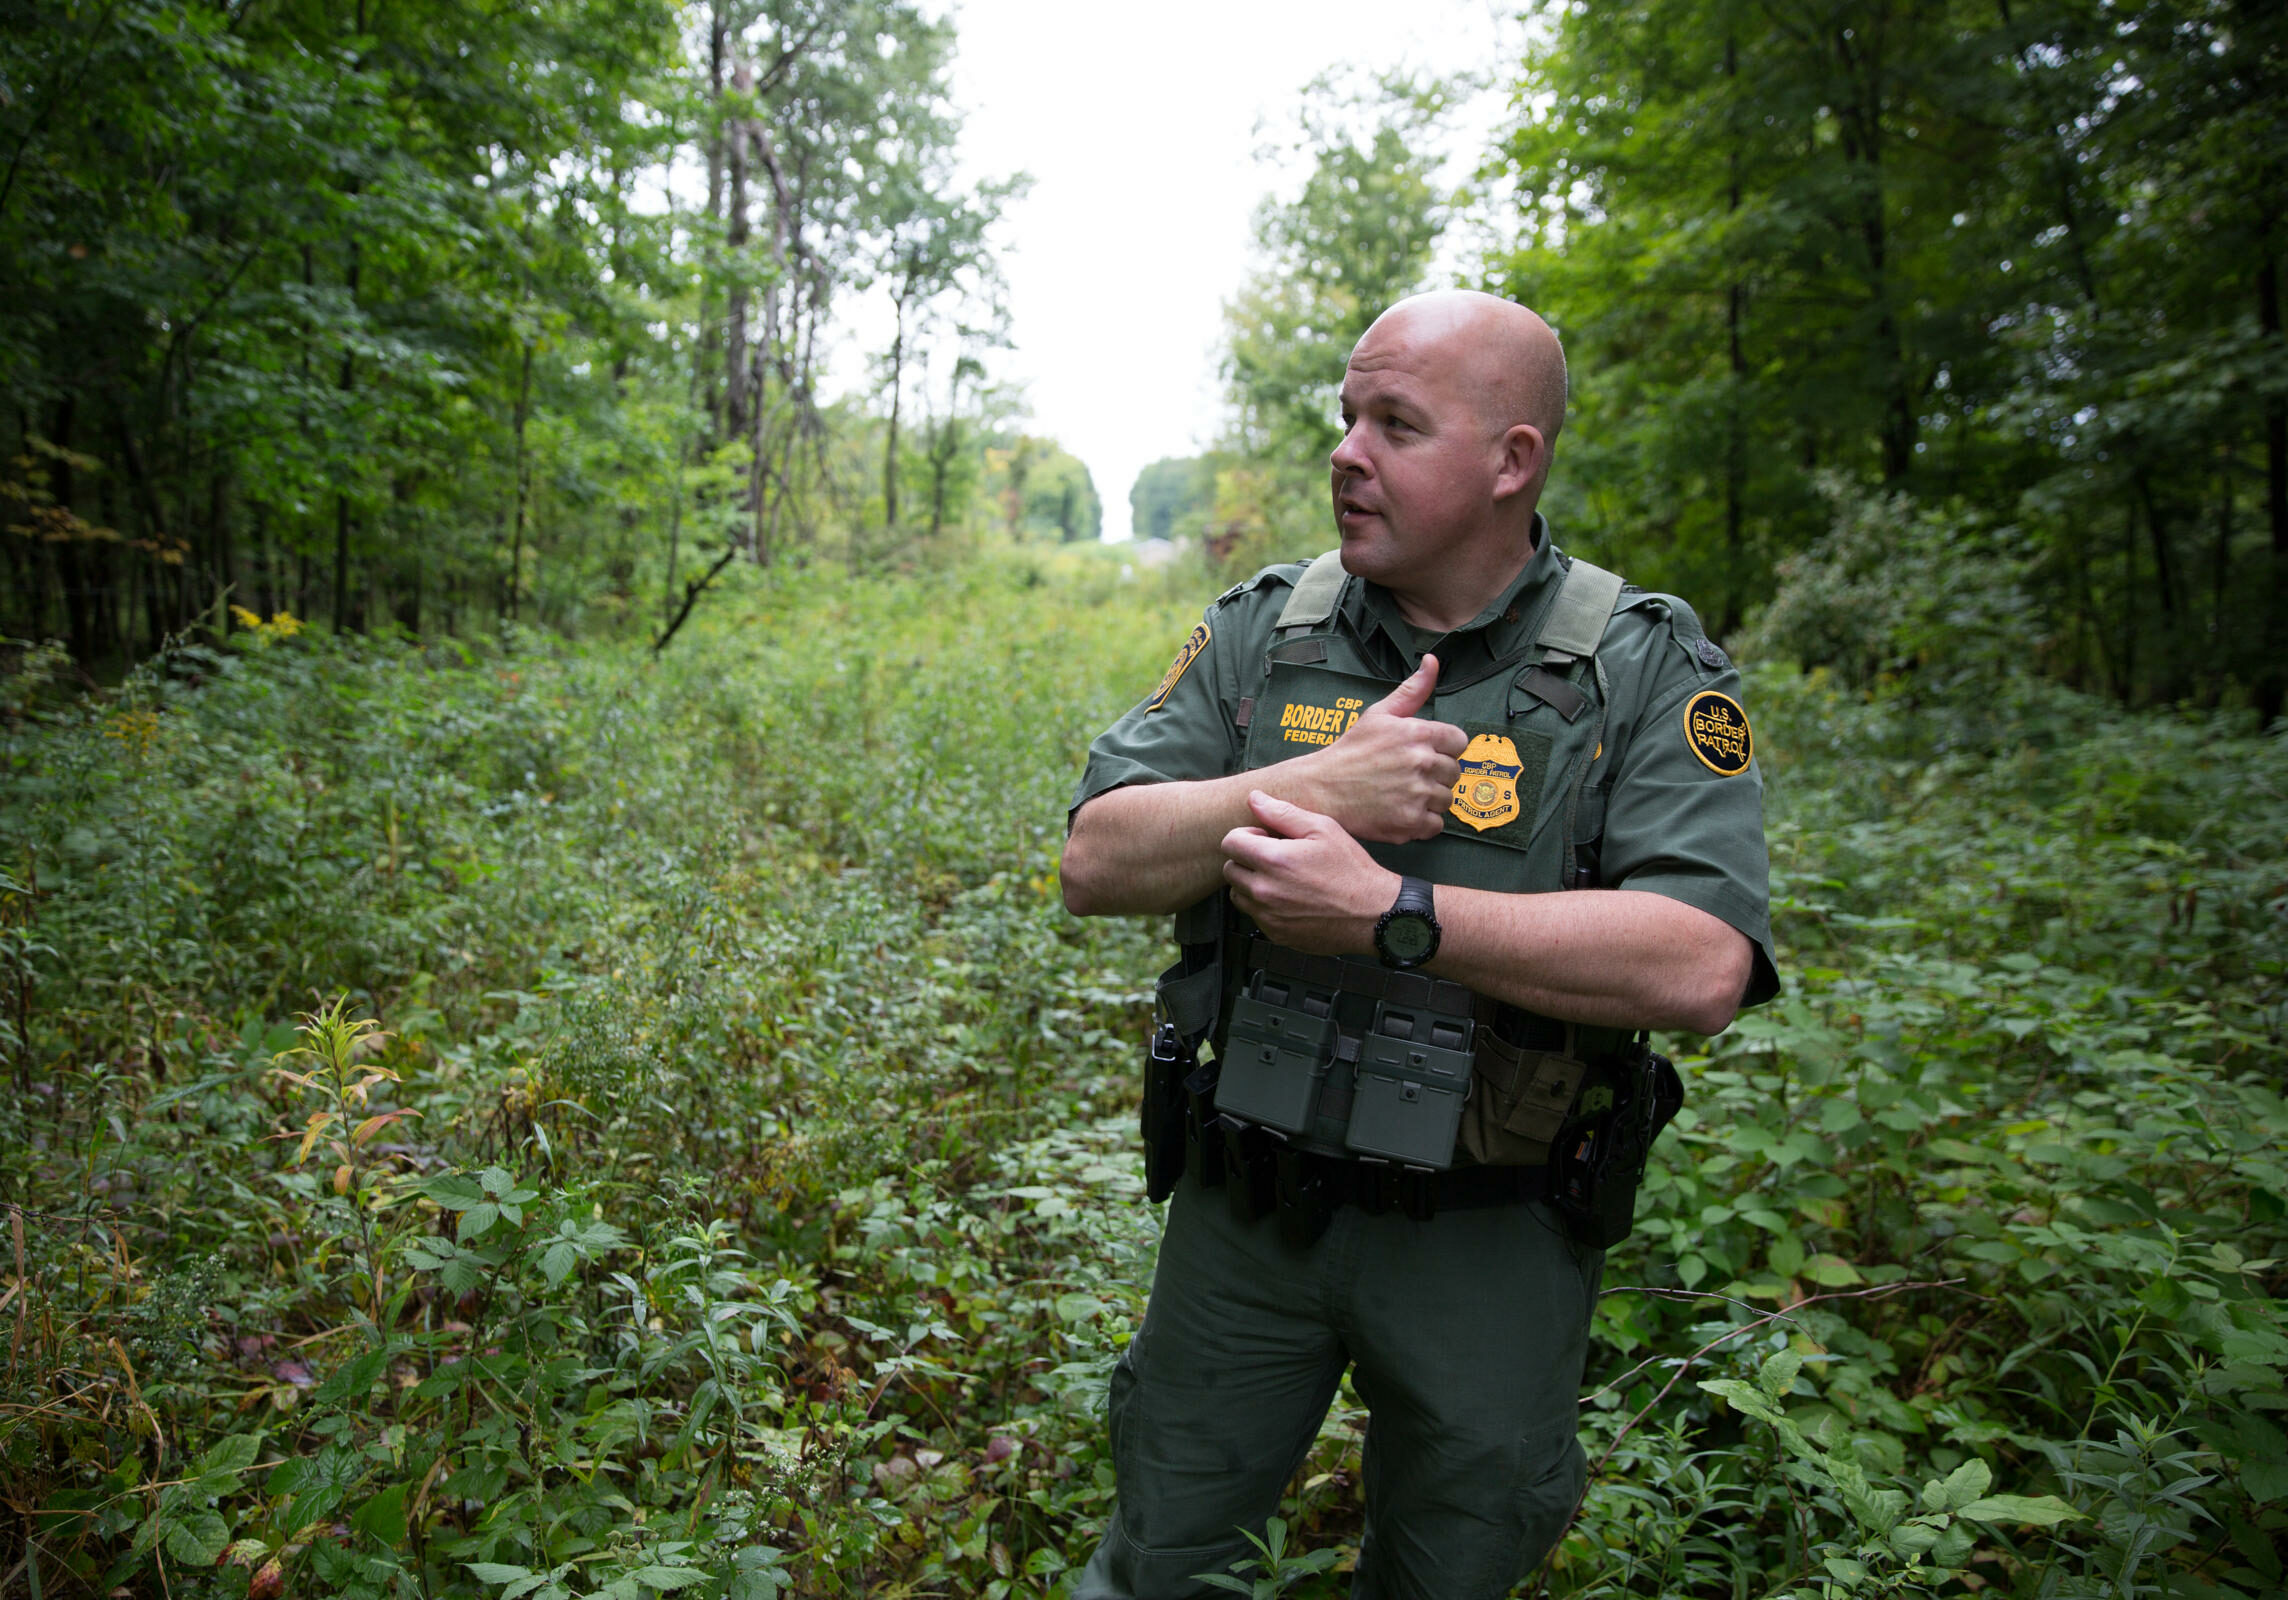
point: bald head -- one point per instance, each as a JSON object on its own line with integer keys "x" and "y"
{"x": 1503, "y": 356}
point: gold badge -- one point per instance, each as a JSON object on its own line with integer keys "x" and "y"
{"x": 1717, "y": 730}
{"x": 1184, "y": 658}
{"x": 1485, "y": 796}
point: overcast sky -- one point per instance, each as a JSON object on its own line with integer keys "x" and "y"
{"x": 1138, "y": 124}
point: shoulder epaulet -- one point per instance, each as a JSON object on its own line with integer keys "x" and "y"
{"x": 1286, "y": 572}
{"x": 1684, "y": 626}
{"x": 1317, "y": 592}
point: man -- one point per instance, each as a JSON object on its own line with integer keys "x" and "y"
{"x": 1425, "y": 1108}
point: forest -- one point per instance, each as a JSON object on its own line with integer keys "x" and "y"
{"x": 544, "y": 1053}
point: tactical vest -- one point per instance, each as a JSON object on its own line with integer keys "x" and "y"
{"x": 1342, "y": 1056}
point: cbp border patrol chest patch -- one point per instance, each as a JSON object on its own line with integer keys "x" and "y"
{"x": 1184, "y": 658}
{"x": 1485, "y": 796}
{"x": 1717, "y": 729}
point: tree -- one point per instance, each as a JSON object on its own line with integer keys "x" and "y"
{"x": 1173, "y": 496}
{"x": 2017, "y": 256}
{"x": 364, "y": 312}
{"x": 1358, "y": 236}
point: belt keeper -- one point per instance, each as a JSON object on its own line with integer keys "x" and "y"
{"x": 1414, "y": 1196}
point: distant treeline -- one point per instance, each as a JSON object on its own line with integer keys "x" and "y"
{"x": 446, "y": 315}
{"x": 2018, "y": 262}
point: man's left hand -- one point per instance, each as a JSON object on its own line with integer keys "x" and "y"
{"x": 1308, "y": 884}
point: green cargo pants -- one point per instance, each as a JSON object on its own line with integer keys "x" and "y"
{"x": 1467, "y": 1335}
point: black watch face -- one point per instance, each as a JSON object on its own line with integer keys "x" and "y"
{"x": 1407, "y": 937}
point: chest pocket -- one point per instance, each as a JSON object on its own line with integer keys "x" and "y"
{"x": 1306, "y": 708}
{"x": 1504, "y": 770}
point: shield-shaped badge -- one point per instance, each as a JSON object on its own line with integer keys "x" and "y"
{"x": 1485, "y": 796}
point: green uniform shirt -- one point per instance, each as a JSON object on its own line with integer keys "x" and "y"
{"x": 1662, "y": 784}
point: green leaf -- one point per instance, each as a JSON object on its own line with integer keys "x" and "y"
{"x": 232, "y": 1454}
{"x": 668, "y": 1577}
{"x": 455, "y": 1191}
{"x": 2042, "y": 1511}
{"x": 199, "y": 1539}
{"x": 477, "y": 1219}
{"x": 1960, "y": 1487}
{"x": 556, "y": 1261}
{"x": 1831, "y": 1272}
{"x": 2264, "y": 1480}
{"x": 1914, "y": 1538}
{"x": 383, "y": 1516}
{"x": 496, "y": 1572}
{"x": 1745, "y": 1398}
{"x": 1778, "y": 1373}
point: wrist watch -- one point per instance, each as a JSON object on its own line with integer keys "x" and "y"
{"x": 1408, "y": 933}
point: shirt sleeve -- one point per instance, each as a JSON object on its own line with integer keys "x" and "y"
{"x": 1685, "y": 812}
{"x": 1183, "y": 730}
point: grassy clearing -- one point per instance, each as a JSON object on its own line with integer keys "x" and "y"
{"x": 738, "y": 1196}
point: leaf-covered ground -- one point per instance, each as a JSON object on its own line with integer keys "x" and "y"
{"x": 737, "y": 1196}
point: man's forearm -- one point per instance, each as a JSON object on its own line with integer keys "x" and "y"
{"x": 1159, "y": 846}
{"x": 1616, "y": 958}
{"x": 1156, "y": 847}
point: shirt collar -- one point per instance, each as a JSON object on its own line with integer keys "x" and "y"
{"x": 1498, "y": 631}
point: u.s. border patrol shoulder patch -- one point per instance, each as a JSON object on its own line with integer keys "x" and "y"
{"x": 1184, "y": 658}
{"x": 1717, "y": 729}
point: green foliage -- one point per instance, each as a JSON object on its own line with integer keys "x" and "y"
{"x": 1173, "y": 497}
{"x": 1043, "y": 491}
{"x": 399, "y": 316}
{"x": 1274, "y": 1571}
{"x": 771, "y": 1218}
{"x": 1357, "y": 237}
{"x": 2011, "y": 257}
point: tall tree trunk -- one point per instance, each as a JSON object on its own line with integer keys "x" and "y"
{"x": 1862, "y": 129}
{"x": 71, "y": 563}
{"x": 348, "y": 386}
{"x": 707, "y": 370}
{"x": 2221, "y": 572}
{"x": 516, "y": 538}
{"x": 265, "y": 560}
{"x": 736, "y": 416}
{"x": 2125, "y": 691}
{"x": 767, "y": 463}
{"x": 897, "y": 395}
{"x": 2165, "y": 680}
{"x": 674, "y": 537}
{"x": 2273, "y": 679}
{"x": 222, "y": 560}
{"x": 1735, "y": 297}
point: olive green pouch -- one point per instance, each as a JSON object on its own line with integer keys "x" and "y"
{"x": 1518, "y": 1102}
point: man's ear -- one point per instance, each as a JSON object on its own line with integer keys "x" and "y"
{"x": 1524, "y": 461}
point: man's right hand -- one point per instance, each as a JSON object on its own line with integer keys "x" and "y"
{"x": 1391, "y": 776}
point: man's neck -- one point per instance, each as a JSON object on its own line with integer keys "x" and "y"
{"x": 1454, "y": 598}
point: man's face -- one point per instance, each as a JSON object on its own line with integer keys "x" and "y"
{"x": 1413, "y": 478}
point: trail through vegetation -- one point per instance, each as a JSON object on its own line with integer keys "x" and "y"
{"x": 705, "y": 1160}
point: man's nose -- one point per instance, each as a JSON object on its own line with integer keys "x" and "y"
{"x": 1346, "y": 456}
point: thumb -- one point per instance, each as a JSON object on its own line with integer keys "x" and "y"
{"x": 1412, "y": 695}
{"x": 1282, "y": 819}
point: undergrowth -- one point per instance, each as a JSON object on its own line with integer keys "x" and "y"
{"x": 534, "y": 1121}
